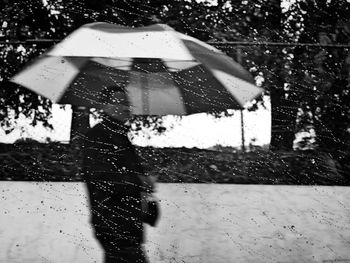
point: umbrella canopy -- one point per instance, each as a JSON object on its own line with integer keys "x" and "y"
{"x": 161, "y": 70}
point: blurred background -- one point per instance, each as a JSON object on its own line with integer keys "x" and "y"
{"x": 296, "y": 133}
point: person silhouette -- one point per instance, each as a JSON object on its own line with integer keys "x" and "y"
{"x": 115, "y": 182}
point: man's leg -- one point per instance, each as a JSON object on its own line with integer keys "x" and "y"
{"x": 116, "y": 216}
{"x": 134, "y": 254}
{"x": 128, "y": 231}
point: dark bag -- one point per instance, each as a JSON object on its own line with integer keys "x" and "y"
{"x": 150, "y": 209}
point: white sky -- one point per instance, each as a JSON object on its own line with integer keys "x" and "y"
{"x": 199, "y": 130}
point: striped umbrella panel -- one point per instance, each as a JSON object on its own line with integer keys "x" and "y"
{"x": 162, "y": 71}
{"x": 81, "y": 81}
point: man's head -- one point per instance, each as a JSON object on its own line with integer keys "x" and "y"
{"x": 116, "y": 105}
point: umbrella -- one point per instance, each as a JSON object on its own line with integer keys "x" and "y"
{"x": 162, "y": 71}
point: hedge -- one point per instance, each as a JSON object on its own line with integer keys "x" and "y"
{"x": 33, "y": 161}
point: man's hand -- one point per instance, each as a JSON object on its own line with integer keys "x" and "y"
{"x": 149, "y": 183}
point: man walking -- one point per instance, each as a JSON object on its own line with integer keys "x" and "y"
{"x": 112, "y": 171}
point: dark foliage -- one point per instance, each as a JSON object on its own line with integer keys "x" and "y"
{"x": 34, "y": 161}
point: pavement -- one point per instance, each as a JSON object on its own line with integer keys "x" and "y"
{"x": 214, "y": 223}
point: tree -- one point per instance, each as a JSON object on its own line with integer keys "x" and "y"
{"x": 323, "y": 73}
{"x": 268, "y": 24}
{"x": 264, "y": 21}
{"x": 314, "y": 80}
{"x": 22, "y": 20}
{"x": 326, "y": 110}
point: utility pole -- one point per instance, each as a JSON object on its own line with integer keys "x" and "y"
{"x": 239, "y": 60}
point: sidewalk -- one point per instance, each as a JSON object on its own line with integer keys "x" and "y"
{"x": 48, "y": 222}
